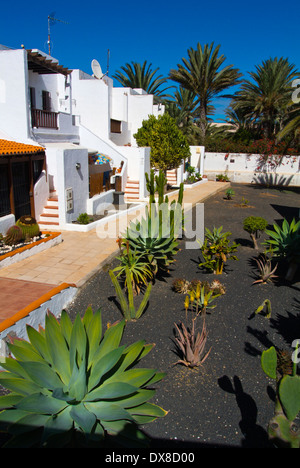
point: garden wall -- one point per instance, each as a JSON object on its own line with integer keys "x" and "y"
{"x": 245, "y": 168}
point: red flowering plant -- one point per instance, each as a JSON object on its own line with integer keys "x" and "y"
{"x": 270, "y": 153}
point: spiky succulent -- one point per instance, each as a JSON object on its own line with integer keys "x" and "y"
{"x": 154, "y": 237}
{"x": 13, "y": 236}
{"x": 191, "y": 344}
{"x": 72, "y": 385}
{"x": 284, "y": 241}
{"x": 181, "y": 285}
{"x": 29, "y": 226}
{"x": 266, "y": 271}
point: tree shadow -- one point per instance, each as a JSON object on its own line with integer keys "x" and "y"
{"x": 254, "y": 435}
{"x": 272, "y": 180}
{"x": 287, "y": 212}
{"x": 288, "y": 326}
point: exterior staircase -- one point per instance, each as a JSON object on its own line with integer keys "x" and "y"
{"x": 49, "y": 219}
{"x": 132, "y": 190}
{"x": 172, "y": 177}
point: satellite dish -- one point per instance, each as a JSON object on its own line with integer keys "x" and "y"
{"x": 96, "y": 69}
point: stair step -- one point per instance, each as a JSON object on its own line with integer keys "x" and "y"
{"x": 48, "y": 223}
{"x": 50, "y": 215}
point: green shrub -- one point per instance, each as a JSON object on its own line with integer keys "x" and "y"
{"x": 84, "y": 218}
{"x": 255, "y": 225}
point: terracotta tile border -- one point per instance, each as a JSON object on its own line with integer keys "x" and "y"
{"x": 34, "y": 305}
{"x": 52, "y": 235}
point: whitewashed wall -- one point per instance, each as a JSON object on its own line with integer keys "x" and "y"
{"x": 91, "y": 102}
{"x": 41, "y": 194}
{"x": 14, "y": 114}
{"x": 69, "y": 177}
{"x": 242, "y": 168}
{"x": 6, "y": 222}
{"x": 138, "y": 163}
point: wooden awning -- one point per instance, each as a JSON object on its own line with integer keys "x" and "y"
{"x": 38, "y": 63}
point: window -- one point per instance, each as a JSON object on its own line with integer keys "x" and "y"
{"x": 32, "y": 98}
{"x": 46, "y": 100}
{"x": 115, "y": 126}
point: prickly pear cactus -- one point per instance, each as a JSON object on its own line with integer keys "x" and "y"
{"x": 283, "y": 429}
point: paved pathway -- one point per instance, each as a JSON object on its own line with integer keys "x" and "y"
{"x": 78, "y": 257}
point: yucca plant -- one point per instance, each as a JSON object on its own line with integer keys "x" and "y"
{"x": 284, "y": 242}
{"x": 127, "y": 303}
{"x": 73, "y": 385}
{"x": 140, "y": 271}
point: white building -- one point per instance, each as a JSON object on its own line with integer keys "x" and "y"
{"x": 72, "y": 116}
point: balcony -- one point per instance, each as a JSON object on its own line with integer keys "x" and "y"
{"x": 44, "y": 119}
{"x": 54, "y": 127}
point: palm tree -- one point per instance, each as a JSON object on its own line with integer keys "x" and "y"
{"x": 266, "y": 97}
{"x": 183, "y": 110}
{"x": 201, "y": 73}
{"x": 142, "y": 76}
{"x": 291, "y": 126}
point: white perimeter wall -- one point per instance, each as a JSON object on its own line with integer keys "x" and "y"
{"x": 242, "y": 168}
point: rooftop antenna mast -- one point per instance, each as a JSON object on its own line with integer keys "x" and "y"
{"x": 51, "y": 21}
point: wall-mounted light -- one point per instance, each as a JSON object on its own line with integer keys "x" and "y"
{"x": 78, "y": 166}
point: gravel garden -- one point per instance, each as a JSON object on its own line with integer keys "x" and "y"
{"x": 215, "y": 395}
{"x": 228, "y": 401}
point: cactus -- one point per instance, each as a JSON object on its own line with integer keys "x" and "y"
{"x": 128, "y": 308}
{"x": 160, "y": 184}
{"x": 13, "y": 236}
{"x": 282, "y": 428}
{"x": 29, "y": 226}
{"x": 150, "y": 183}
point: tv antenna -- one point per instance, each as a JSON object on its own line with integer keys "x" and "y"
{"x": 51, "y": 21}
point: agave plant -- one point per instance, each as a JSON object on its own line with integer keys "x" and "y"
{"x": 284, "y": 242}
{"x": 72, "y": 385}
{"x": 154, "y": 239}
{"x": 266, "y": 271}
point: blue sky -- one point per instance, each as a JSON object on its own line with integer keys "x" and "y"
{"x": 160, "y": 32}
